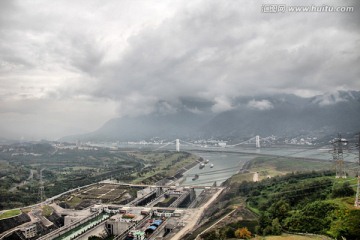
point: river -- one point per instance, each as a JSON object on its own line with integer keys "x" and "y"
{"x": 225, "y": 165}
{"x": 228, "y": 163}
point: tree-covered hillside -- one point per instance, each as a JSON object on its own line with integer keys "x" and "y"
{"x": 312, "y": 202}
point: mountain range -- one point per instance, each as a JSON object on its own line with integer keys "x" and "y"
{"x": 280, "y": 115}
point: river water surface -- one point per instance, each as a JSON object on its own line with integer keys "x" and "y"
{"x": 227, "y": 164}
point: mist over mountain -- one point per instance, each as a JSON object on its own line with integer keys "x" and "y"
{"x": 280, "y": 115}
{"x": 288, "y": 115}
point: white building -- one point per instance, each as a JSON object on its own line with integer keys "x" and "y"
{"x": 116, "y": 225}
{"x": 30, "y": 231}
{"x": 97, "y": 208}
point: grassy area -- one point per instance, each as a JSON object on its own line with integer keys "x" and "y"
{"x": 77, "y": 168}
{"x": 277, "y": 166}
{"x": 47, "y": 210}
{"x": 237, "y": 202}
{"x": 74, "y": 201}
{"x": 165, "y": 164}
{"x": 4, "y": 164}
{"x": 10, "y": 213}
{"x": 26, "y": 210}
{"x": 343, "y": 203}
{"x": 63, "y": 170}
{"x": 166, "y": 200}
{"x": 238, "y": 178}
{"x": 352, "y": 181}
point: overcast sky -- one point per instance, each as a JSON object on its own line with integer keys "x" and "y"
{"x": 67, "y": 66}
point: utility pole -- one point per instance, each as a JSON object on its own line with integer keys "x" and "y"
{"x": 357, "y": 200}
{"x": 338, "y": 156}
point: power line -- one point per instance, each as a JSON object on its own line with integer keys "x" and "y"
{"x": 163, "y": 146}
{"x": 242, "y": 142}
{"x": 357, "y": 200}
{"x": 295, "y": 190}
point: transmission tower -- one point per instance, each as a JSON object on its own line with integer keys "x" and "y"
{"x": 338, "y": 156}
{"x": 357, "y": 200}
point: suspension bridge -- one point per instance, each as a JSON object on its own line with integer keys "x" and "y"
{"x": 339, "y": 144}
{"x": 254, "y": 141}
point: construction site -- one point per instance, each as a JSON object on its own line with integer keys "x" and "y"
{"x": 124, "y": 211}
{"x": 182, "y": 208}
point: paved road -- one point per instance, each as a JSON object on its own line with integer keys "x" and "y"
{"x": 195, "y": 217}
{"x": 215, "y": 224}
{"x": 83, "y": 213}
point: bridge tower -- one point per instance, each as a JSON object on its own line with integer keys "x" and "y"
{"x": 257, "y": 139}
{"x": 177, "y": 144}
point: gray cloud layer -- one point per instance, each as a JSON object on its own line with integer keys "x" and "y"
{"x": 125, "y": 57}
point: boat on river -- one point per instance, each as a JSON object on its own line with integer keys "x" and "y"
{"x": 195, "y": 177}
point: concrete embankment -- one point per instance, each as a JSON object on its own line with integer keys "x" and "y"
{"x": 64, "y": 229}
{"x": 13, "y": 222}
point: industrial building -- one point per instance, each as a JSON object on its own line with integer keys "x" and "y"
{"x": 116, "y": 225}
{"x": 29, "y": 231}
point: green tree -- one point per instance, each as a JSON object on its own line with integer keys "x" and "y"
{"x": 344, "y": 190}
{"x": 276, "y": 227}
{"x": 352, "y": 225}
{"x": 264, "y": 221}
{"x": 280, "y": 210}
{"x": 212, "y": 235}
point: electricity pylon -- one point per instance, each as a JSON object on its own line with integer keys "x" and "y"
{"x": 338, "y": 156}
{"x": 357, "y": 200}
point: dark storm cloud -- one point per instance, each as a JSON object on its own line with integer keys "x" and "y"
{"x": 161, "y": 56}
{"x": 223, "y": 49}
